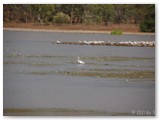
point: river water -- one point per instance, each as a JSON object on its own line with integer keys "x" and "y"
{"x": 39, "y": 74}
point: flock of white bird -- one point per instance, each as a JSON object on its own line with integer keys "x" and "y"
{"x": 138, "y": 43}
{"x": 91, "y": 42}
{"x": 109, "y": 43}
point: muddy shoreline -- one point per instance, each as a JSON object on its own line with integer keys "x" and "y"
{"x": 58, "y": 112}
{"x": 73, "y": 31}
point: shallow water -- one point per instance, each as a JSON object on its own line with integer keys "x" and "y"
{"x": 39, "y": 74}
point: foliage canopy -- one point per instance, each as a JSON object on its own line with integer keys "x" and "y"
{"x": 141, "y": 14}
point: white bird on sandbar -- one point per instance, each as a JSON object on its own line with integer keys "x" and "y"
{"x": 79, "y": 61}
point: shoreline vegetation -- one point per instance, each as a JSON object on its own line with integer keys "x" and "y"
{"x": 96, "y": 17}
{"x": 128, "y": 29}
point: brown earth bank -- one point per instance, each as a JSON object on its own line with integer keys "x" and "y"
{"x": 83, "y": 27}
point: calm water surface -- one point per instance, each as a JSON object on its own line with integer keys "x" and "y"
{"x": 39, "y": 74}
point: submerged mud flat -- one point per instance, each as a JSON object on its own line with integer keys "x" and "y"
{"x": 131, "y": 75}
{"x": 115, "y": 72}
{"x": 59, "y": 112}
{"x": 41, "y": 78}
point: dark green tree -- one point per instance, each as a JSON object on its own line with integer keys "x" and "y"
{"x": 148, "y": 25}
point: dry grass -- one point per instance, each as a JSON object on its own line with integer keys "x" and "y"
{"x": 86, "y": 27}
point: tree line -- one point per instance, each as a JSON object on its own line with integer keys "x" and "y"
{"x": 141, "y": 14}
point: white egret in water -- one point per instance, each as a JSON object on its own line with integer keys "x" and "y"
{"x": 79, "y": 61}
{"x": 58, "y": 42}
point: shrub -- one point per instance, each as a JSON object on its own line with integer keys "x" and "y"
{"x": 116, "y": 32}
{"x": 61, "y": 18}
{"x": 147, "y": 26}
{"x": 97, "y": 19}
